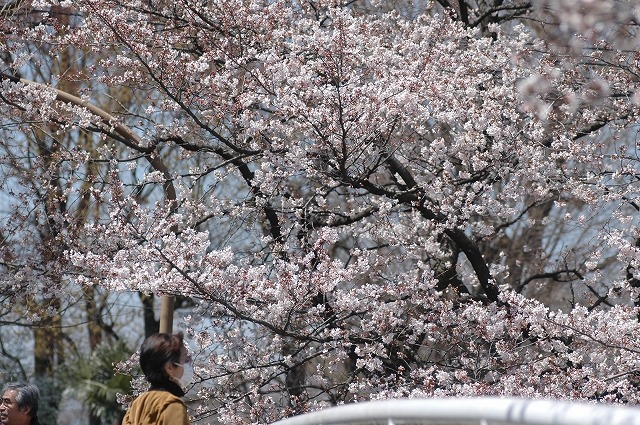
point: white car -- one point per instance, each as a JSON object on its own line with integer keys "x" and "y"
{"x": 470, "y": 411}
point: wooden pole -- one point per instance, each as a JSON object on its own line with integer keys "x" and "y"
{"x": 167, "y": 304}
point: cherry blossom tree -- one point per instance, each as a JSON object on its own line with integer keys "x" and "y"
{"x": 438, "y": 200}
{"x": 46, "y": 319}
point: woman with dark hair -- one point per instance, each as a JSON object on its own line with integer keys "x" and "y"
{"x": 167, "y": 366}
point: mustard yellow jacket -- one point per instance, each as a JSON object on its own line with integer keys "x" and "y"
{"x": 157, "y": 407}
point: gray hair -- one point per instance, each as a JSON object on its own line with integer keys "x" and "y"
{"x": 27, "y": 395}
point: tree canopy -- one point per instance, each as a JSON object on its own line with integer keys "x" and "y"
{"x": 360, "y": 199}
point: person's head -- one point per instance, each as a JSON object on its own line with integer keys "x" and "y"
{"x": 19, "y": 403}
{"x": 164, "y": 356}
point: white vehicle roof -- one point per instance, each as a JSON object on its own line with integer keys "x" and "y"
{"x": 469, "y": 411}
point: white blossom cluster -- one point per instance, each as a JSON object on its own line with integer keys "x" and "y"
{"x": 360, "y": 204}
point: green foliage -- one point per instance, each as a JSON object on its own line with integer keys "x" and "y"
{"x": 92, "y": 380}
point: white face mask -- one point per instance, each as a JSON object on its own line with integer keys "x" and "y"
{"x": 187, "y": 375}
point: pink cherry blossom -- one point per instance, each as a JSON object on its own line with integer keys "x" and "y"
{"x": 360, "y": 203}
